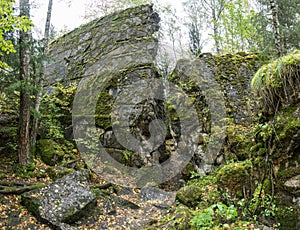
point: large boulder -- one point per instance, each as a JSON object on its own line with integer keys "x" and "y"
{"x": 219, "y": 86}
{"x": 62, "y": 202}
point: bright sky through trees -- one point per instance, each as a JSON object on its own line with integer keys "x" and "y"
{"x": 69, "y": 16}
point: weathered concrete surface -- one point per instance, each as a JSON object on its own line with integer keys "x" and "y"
{"x": 111, "y": 54}
{"x": 123, "y": 35}
{"x": 232, "y": 73}
{"x": 107, "y": 55}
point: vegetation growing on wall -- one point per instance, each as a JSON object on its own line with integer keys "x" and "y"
{"x": 248, "y": 187}
{"x": 260, "y": 157}
{"x": 58, "y": 105}
{"x": 278, "y": 82}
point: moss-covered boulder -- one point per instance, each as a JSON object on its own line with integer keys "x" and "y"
{"x": 278, "y": 133}
{"x": 189, "y": 195}
{"x": 278, "y": 83}
{"x": 219, "y": 87}
{"x": 276, "y": 148}
{"x": 235, "y": 177}
{"x": 232, "y": 73}
{"x": 50, "y": 151}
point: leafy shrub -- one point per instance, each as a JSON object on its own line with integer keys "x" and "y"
{"x": 56, "y": 110}
{"x": 215, "y": 215}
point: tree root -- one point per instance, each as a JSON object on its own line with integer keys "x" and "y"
{"x": 17, "y": 188}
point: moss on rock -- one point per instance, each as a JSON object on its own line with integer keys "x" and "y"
{"x": 57, "y": 172}
{"x": 189, "y": 195}
{"x": 179, "y": 220}
{"x": 50, "y": 151}
{"x": 233, "y": 177}
{"x": 277, "y": 83}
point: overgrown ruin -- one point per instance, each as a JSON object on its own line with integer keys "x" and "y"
{"x": 119, "y": 50}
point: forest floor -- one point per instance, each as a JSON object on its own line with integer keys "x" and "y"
{"x": 15, "y": 216}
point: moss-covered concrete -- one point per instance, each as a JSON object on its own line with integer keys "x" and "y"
{"x": 233, "y": 73}
{"x": 50, "y": 152}
{"x": 261, "y": 149}
{"x": 277, "y": 83}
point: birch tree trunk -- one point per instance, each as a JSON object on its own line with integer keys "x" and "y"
{"x": 216, "y": 32}
{"x": 276, "y": 27}
{"x": 42, "y": 74}
{"x": 24, "y": 77}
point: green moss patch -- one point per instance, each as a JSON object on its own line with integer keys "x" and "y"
{"x": 277, "y": 83}
{"x": 50, "y": 151}
{"x": 189, "y": 195}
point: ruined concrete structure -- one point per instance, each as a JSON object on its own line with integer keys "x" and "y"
{"x": 119, "y": 50}
{"x": 108, "y": 56}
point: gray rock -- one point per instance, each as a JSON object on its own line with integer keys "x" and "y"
{"x": 157, "y": 197}
{"x": 125, "y": 191}
{"x": 123, "y": 203}
{"x": 64, "y": 201}
{"x": 294, "y": 182}
{"x": 109, "y": 206}
{"x": 293, "y": 186}
{"x": 64, "y": 226}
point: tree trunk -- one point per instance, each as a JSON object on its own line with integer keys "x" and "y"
{"x": 42, "y": 74}
{"x": 276, "y": 27}
{"x": 216, "y": 32}
{"x": 24, "y": 114}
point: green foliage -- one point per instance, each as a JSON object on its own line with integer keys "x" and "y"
{"x": 179, "y": 220}
{"x": 7, "y": 105}
{"x": 238, "y": 30}
{"x": 25, "y": 171}
{"x": 289, "y": 21}
{"x": 8, "y": 123}
{"x": 10, "y": 23}
{"x": 127, "y": 157}
{"x": 214, "y": 216}
{"x": 204, "y": 219}
{"x": 56, "y": 110}
{"x": 50, "y": 151}
{"x": 222, "y": 208}
{"x": 195, "y": 23}
{"x": 262, "y": 204}
{"x": 234, "y": 177}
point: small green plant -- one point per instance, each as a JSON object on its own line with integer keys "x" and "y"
{"x": 194, "y": 175}
{"x": 203, "y": 218}
{"x": 127, "y": 156}
{"x": 214, "y": 216}
{"x": 25, "y": 171}
{"x": 262, "y": 204}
